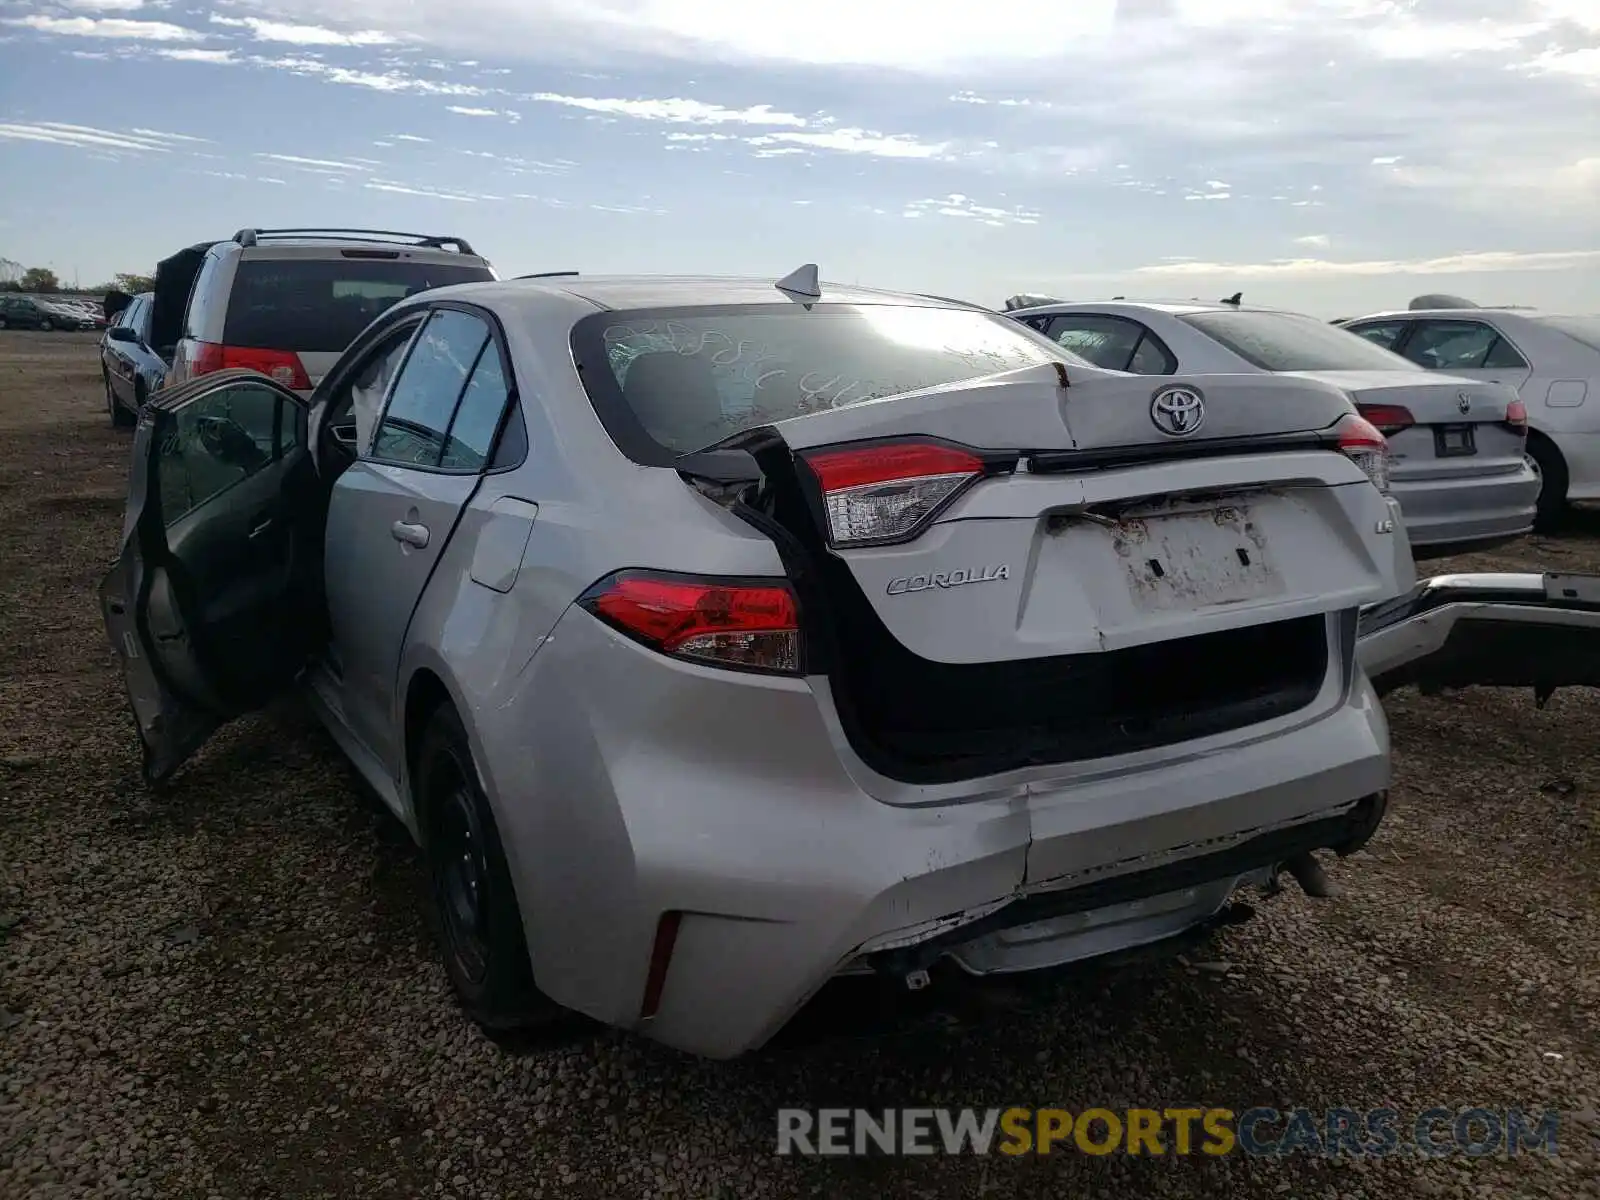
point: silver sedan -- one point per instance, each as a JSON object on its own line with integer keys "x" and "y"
{"x": 1456, "y": 444}
{"x": 716, "y": 638}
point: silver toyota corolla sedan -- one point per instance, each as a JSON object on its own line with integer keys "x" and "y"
{"x": 1456, "y": 444}
{"x": 716, "y": 639}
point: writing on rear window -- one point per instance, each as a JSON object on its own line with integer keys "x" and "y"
{"x": 692, "y": 379}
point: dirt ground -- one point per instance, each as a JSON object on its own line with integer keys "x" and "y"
{"x": 227, "y": 989}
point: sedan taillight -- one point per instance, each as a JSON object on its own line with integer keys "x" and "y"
{"x": 1360, "y": 439}
{"x": 877, "y": 495}
{"x": 749, "y": 625}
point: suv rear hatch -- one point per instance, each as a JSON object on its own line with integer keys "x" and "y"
{"x": 292, "y": 310}
{"x": 1025, "y": 569}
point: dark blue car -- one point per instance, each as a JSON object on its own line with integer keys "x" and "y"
{"x": 132, "y": 367}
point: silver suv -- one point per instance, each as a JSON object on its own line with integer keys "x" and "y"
{"x": 287, "y": 302}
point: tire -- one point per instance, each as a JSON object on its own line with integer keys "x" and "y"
{"x": 121, "y": 418}
{"x": 1552, "y": 468}
{"x": 46, "y": 325}
{"x": 473, "y": 904}
{"x": 2, "y": 322}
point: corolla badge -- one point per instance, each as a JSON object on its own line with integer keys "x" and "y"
{"x": 1177, "y": 411}
{"x": 1464, "y": 402}
{"x": 903, "y": 584}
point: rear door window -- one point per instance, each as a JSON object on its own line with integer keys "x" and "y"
{"x": 1460, "y": 346}
{"x": 321, "y": 305}
{"x": 1115, "y": 343}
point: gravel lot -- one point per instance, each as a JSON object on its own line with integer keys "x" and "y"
{"x": 228, "y": 989}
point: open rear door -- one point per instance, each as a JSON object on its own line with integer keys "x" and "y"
{"x": 214, "y": 603}
{"x": 1486, "y": 630}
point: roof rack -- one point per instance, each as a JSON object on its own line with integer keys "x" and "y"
{"x": 249, "y": 237}
{"x": 545, "y": 275}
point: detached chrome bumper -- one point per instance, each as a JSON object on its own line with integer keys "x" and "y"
{"x": 1491, "y": 630}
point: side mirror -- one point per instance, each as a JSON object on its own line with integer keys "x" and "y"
{"x": 121, "y": 333}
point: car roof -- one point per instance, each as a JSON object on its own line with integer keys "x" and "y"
{"x": 667, "y": 291}
{"x": 1172, "y": 307}
{"x": 1447, "y": 314}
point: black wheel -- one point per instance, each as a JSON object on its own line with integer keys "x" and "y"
{"x": 46, "y": 325}
{"x": 120, "y": 417}
{"x": 2, "y": 322}
{"x": 1552, "y": 468}
{"x": 474, "y": 906}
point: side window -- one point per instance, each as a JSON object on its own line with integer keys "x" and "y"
{"x": 1460, "y": 346}
{"x": 416, "y": 423}
{"x": 353, "y": 413}
{"x": 195, "y": 308}
{"x": 221, "y": 439}
{"x": 1381, "y": 333}
{"x": 477, "y": 417}
{"x": 1115, "y": 343}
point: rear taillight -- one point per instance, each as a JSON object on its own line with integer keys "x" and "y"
{"x": 874, "y": 495}
{"x": 1517, "y": 416}
{"x": 281, "y": 365}
{"x": 1387, "y": 418}
{"x": 1367, "y": 448}
{"x": 751, "y": 625}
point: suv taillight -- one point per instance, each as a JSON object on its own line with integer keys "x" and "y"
{"x": 876, "y": 495}
{"x": 282, "y": 365}
{"x": 749, "y": 625}
{"x": 1367, "y": 448}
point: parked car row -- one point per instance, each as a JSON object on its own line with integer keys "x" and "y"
{"x": 21, "y": 311}
{"x": 736, "y": 629}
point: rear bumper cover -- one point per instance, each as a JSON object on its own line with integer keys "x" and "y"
{"x": 1441, "y": 512}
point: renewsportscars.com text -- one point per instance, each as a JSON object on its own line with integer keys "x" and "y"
{"x": 1261, "y": 1132}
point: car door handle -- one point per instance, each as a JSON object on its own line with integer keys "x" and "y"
{"x": 410, "y": 534}
{"x": 261, "y": 527}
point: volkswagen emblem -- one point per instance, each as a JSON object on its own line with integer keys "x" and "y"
{"x": 1463, "y": 402}
{"x": 1177, "y": 411}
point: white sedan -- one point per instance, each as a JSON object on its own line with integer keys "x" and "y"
{"x": 1553, "y": 362}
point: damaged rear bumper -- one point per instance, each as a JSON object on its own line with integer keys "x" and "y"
{"x": 1490, "y": 630}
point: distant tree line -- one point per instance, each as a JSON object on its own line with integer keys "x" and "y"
{"x": 14, "y": 277}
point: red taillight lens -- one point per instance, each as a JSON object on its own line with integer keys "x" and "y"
{"x": 1367, "y": 447}
{"x": 750, "y": 625}
{"x": 281, "y": 365}
{"x": 1517, "y": 415}
{"x": 874, "y": 495}
{"x": 1387, "y": 418}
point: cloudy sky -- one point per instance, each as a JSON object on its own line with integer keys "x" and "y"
{"x": 1332, "y": 155}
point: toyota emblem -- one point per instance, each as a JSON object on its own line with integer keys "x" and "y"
{"x": 1177, "y": 411}
{"x": 1463, "y": 402}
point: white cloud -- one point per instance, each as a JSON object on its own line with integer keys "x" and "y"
{"x": 304, "y": 35}
{"x": 856, "y": 141}
{"x": 472, "y": 112}
{"x": 108, "y": 27}
{"x": 409, "y": 137}
{"x": 187, "y": 54}
{"x": 1453, "y": 264}
{"x": 1319, "y": 241}
{"x": 318, "y": 165}
{"x": 965, "y": 208}
{"x": 675, "y": 110}
{"x": 431, "y": 193}
{"x": 60, "y": 133}
{"x": 102, "y": 5}
{"x": 1386, "y": 160}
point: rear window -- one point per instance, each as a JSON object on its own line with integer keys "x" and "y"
{"x": 320, "y": 306}
{"x": 1289, "y": 342}
{"x": 1582, "y": 329}
{"x": 667, "y": 382}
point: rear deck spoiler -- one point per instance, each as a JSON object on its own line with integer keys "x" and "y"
{"x": 1490, "y": 630}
